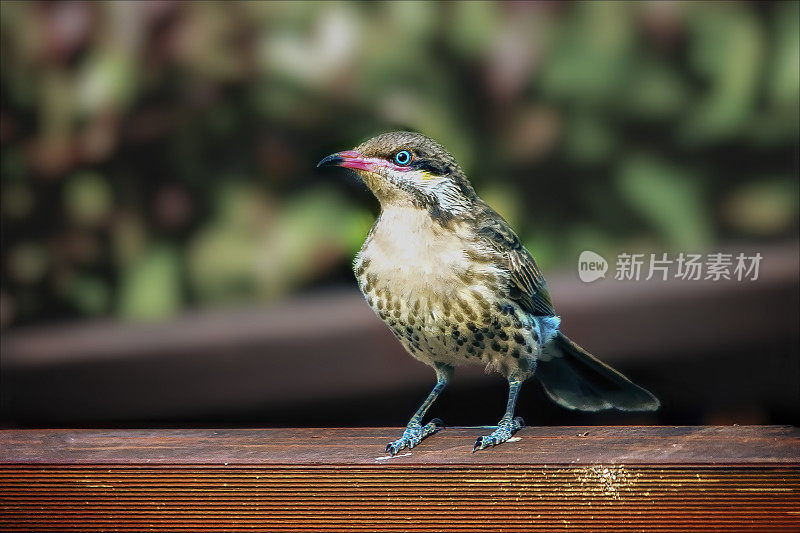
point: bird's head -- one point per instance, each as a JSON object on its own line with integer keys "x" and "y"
{"x": 407, "y": 168}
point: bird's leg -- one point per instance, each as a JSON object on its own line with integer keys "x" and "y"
{"x": 508, "y": 424}
{"x": 415, "y": 431}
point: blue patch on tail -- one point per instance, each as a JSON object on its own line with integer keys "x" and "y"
{"x": 546, "y": 327}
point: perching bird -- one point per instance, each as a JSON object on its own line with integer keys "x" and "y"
{"x": 450, "y": 278}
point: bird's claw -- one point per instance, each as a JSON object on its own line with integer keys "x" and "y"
{"x": 503, "y": 432}
{"x": 413, "y": 435}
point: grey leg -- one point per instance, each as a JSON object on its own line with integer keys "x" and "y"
{"x": 508, "y": 424}
{"x": 415, "y": 431}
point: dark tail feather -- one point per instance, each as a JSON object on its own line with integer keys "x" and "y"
{"x": 576, "y": 380}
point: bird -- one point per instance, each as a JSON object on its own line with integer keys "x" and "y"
{"x": 450, "y": 278}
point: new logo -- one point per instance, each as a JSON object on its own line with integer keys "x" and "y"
{"x": 591, "y": 266}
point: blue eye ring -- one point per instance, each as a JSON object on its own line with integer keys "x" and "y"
{"x": 402, "y": 158}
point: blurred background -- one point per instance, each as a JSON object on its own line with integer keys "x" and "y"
{"x": 171, "y": 256}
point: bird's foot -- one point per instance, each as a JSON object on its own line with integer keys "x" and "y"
{"x": 413, "y": 435}
{"x": 499, "y": 435}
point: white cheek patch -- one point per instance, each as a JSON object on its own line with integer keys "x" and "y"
{"x": 446, "y": 193}
{"x": 442, "y": 188}
{"x": 422, "y": 179}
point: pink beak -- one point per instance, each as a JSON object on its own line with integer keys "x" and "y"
{"x": 347, "y": 159}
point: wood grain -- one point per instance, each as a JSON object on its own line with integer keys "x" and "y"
{"x": 576, "y": 478}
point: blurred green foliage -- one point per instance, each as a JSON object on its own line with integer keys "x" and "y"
{"x": 161, "y": 155}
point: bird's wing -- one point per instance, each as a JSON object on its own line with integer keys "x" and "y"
{"x": 527, "y": 285}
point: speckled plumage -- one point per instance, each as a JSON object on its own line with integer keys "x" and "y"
{"x": 450, "y": 278}
{"x": 446, "y": 300}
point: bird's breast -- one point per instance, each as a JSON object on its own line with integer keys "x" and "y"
{"x": 430, "y": 286}
{"x": 412, "y": 256}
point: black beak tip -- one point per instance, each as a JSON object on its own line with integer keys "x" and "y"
{"x": 333, "y": 160}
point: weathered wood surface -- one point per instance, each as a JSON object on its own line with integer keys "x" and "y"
{"x": 658, "y": 445}
{"x": 576, "y": 478}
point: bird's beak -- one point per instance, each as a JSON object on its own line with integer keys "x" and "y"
{"x": 347, "y": 159}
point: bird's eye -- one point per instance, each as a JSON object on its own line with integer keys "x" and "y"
{"x": 403, "y": 157}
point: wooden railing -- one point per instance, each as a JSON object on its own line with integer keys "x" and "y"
{"x": 549, "y": 478}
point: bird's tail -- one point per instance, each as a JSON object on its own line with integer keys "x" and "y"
{"x": 574, "y": 379}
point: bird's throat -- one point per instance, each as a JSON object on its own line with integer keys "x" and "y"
{"x": 409, "y": 250}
